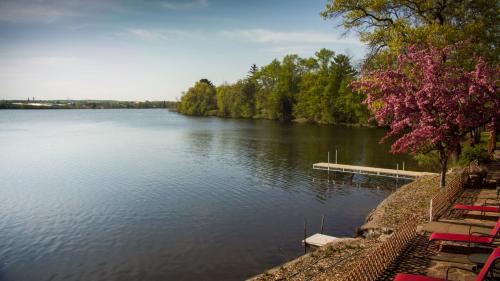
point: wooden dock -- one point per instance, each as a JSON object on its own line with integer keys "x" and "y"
{"x": 362, "y": 170}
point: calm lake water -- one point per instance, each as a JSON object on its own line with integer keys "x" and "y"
{"x": 153, "y": 195}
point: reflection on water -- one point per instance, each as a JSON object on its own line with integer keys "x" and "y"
{"x": 152, "y": 195}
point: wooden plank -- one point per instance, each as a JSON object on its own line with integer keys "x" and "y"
{"x": 319, "y": 240}
{"x": 370, "y": 170}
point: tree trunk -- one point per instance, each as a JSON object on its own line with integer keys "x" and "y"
{"x": 472, "y": 140}
{"x": 492, "y": 140}
{"x": 455, "y": 155}
{"x": 443, "y": 160}
{"x": 475, "y": 136}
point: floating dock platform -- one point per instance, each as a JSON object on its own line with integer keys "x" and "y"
{"x": 362, "y": 170}
{"x": 319, "y": 240}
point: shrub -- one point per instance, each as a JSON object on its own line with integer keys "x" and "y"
{"x": 471, "y": 153}
{"x": 428, "y": 161}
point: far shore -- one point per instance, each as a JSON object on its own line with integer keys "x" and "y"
{"x": 84, "y": 104}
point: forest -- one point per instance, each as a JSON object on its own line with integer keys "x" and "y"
{"x": 314, "y": 89}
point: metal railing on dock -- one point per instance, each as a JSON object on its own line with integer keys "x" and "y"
{"x": 373, "y": 171}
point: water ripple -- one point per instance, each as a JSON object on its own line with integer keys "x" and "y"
{"x": 152, "y": 195}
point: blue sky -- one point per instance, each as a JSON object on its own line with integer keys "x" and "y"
{"x": 151, "y": 50}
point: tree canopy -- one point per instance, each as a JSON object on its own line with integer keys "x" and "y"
{"x": 389, "y": 26}
{"x": 429, "y": 102}
{"x": 199, "y": 100}
{"x": 315, "y": 89}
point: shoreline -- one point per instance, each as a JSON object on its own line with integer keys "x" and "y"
{"x": 333, "y": 260}
{"x": 174, "y": 110}
{"x": 85, "y": 104}
{"x": 288, "y": 121}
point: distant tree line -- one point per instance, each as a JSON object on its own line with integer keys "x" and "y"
{"x": 84, "y": 104}
{"x": 314, "y": 89}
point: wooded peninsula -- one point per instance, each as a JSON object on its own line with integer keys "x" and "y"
{"x": 314, "y": 89}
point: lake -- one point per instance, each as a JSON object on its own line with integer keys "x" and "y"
{"x": 154, "y": 195}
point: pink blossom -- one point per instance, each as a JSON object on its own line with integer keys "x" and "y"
{"x": 427, "y": 101}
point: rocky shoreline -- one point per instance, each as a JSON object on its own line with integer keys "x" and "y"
{"x": 332, "y": 261}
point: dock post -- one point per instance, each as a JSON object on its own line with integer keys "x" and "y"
{"x": 403, "y": 165}
{"x": 305, "y": 236}
{"x": 328, "y": 180}
{"x": 335, "y": 156}
{"x": 322, "y": 223}
{"x": 430, "y": 211}
{"x": 397, "y": 170}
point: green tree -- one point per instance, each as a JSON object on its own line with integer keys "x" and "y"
{"x": 252, "y": 72}
{"x": 236, "y": 100}
{"x": 223, "y": 95}
{"x": 315, "y": 88}
{"x": 266, "y": 95}
{"x": 389, "y": 26}
{"x": 325, "y": 95}
{"x": 278, "y": 84}
{"x": 348, "y": 104}
{"x": 248, "y": 90}
{"x": 199, "y": 100}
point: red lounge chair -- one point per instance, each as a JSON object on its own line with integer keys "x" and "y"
{"x": 472, "y": 237}
{"x": 479, "y": 208}
{"x": 480, "y": 277}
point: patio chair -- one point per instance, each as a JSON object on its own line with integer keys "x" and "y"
{"x": 485, "y": 274}
{"x": 479, "y": 208}
{"x": 472, "y": 237}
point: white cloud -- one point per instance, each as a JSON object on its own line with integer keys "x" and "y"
{"x": 271, "y": 36}
{"x": 283, "y": 50}
{"x": 48, "y": 11}
{"x": 185, "y": 5}
{"x": 163, "y": 34}
{"x": 32, "y": 12}
{"x": 143, "y": 33}
{"x": 79, "y": 26}
{"x": 55, "y": 61}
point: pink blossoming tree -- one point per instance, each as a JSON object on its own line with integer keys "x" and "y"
{"x": 429, "y": 102}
